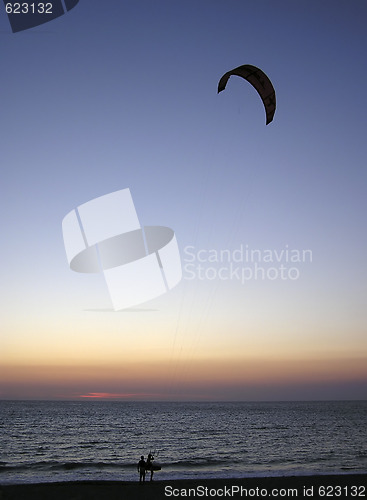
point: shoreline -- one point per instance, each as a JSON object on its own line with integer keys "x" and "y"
{"x": 314, "y": 486}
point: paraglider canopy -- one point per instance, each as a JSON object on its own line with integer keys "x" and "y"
{"x": 259, "y": 80}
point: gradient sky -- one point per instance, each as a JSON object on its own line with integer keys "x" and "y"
{"x": 119, "y": 94}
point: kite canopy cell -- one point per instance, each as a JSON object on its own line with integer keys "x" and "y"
{"x": 259, "y": 80}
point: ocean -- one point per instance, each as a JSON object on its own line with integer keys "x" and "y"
{"x": 43, "y": 441}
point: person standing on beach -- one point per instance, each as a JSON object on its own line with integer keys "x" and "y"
{"x": 149, "y": 465}
{"x": 141, "y": 469}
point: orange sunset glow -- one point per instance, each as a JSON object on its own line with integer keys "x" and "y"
{"x": 245, "y": 377}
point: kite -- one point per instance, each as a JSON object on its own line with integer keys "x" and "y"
{"x": 259, "y": 80}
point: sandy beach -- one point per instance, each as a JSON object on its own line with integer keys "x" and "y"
{"x": 323, "y": 486}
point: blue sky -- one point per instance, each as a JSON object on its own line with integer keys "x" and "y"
{"x": 124, "y": 94}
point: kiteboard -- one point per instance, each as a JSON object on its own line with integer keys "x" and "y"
{"x": 154, "y": 467}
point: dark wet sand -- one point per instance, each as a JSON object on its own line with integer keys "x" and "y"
{"x": 333, "y": 486}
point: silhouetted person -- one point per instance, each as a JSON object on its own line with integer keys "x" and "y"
{"x": 141, "y": 469}
{"x": 149, "y": 465}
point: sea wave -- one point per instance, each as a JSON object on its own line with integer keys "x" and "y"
{"x": 50, "y": 466}
{"x": 55, "y": 466}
